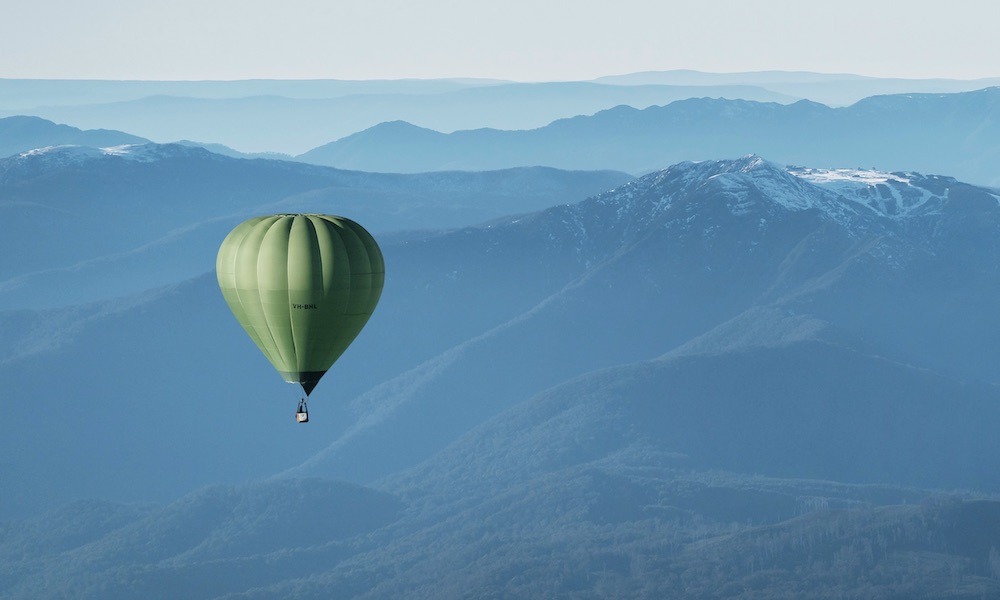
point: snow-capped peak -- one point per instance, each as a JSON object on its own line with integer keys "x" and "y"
{"x": 750, "y": 179}
{"x": 839, "y": 193}
{"x": 751, "y": 184}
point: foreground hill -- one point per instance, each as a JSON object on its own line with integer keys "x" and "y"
{"x": 625, "y": 523}
{"x": 203, "y": 543}
{"x": 939, "y": 133}
{"x": 618, "y": 484}
{"x": 603, "y": 486}
{"x": 800, "y": 408}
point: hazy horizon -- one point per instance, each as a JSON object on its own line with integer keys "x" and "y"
{"x": 554, "y": 41}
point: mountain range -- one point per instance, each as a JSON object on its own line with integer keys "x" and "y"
{"x": 723, "y": 379}
{"x": 84, "y": 224}
{"x": 291, "y": 117}
{"x": 23, "y": 134}
{"x": 954, "y": 134}
{"x": 943, "y": 133}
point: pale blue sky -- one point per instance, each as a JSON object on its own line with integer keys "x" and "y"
{"x": 524, "y": 40}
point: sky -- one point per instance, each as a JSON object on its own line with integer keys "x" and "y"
{"x": 520, "y": 40}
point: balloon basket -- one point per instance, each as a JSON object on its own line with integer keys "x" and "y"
{"x": 302, "y": 414}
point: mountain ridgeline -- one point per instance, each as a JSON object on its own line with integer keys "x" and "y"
{"x": 630, "y": 128}
{"x": 23, "y": 134}
{"x": 955, "y": 134}
{"x": 292, "y": 117}
{"x": 83, "y": 224}
{"x": 724, "y": 379}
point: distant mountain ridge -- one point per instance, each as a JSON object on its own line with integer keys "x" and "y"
{"x": 293, "y": 116}
{"x": 954, "y": 134}
{"x": 930, "y": 133}
{"x": 21, "y": 134}
{"x": 269, "y": 117}
{"x": 170, "y": 205}
{"x": 833, "y": 89}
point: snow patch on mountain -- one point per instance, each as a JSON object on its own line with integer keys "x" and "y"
{"x": 70, "y": 154}
{"x": 842, "y": 194}
{"x": 750, "y": 181}
{"x": 894, "y": 195}
{"x": 644, "y": 198}
{"x": 48, "y": 159}
{"x": 136, "y": 152}
{"x": 67, "y": 151}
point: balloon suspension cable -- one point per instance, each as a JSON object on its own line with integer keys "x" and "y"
{"x": 302, "y": 414}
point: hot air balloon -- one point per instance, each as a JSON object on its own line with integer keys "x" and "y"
{"x": 302, "y": 286}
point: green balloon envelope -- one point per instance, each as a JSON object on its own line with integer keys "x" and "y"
{"x": 302, "y": 286}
